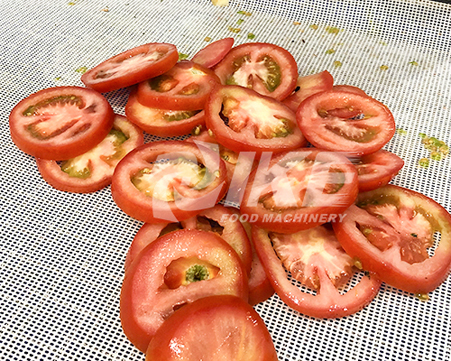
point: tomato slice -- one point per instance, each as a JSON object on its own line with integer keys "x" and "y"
{"x": 213, "y": 328}
{"x": 131, "y": 67}
{"x": 345, "y": 121}
{"x": 300, "y": 190}
{"x": 401, "y": 235}
{"x": 162, "y": 122}
{"x": 185, "y": 86}
{"x": 213, "y": 53}
{"x": 168, "y": 181}
{"x": 349, "y": 88}
{"x": 266, "y": 68}
{"x": 94, "y": 169}
{"x": 60, "y": 123}
{"x": 243, "y": 120}
{"x": 312, "y": 255}
{"x": 147, "y": 300}
{"x": 308, "y": 85}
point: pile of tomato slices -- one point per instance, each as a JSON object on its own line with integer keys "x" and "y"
{"x": 298, "y": 161}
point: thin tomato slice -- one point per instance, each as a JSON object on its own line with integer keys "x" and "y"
{"x": 131, "y": 67}
{"x": 213, "y": 53}
{"x": 60, "y": 123}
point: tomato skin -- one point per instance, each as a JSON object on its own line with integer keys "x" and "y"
{"x": 89, "y": 120}
{"x": 136, "y": 72}
{"x": 213, "y": 53}
{"x": 420, "y": 277}
{"x": 146, "y": 302}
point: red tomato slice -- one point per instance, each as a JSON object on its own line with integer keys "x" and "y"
{"x": 307, "y": 86}
{"x": 349, "y": 88}
{"x": 131, "y": 67}
{"x": 94, "y": 169}
{"x": 215, "y": 328}
{"x": 213, "y": 53}
{"x": 162, "y": 122}
{"x": 147, "y": 300}
{"x": 243, "y": 120}
{"x": 60, "y": 123}
{"x": 392, "y": 232}
{"x": 314, "y": 255}
{"x": 300, "y": 190}
{"x": 168, "y": 181}
{"x": 186, "y": 86}
{"x": 266, "y": 68}
{"x": 345, "y": 121}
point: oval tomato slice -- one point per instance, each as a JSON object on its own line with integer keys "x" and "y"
{"x": 213, "y": 328}
{"x": 345, "y": 121}
{"x": 147, "y": 299}
{"x": 315, "y": 258}
{"x": 168, "y": 181}
{"x": 213, "y": 53}
{"x": 402, "y": 236}
{"x": 131, "y": 67}
{"x": 94, "y": 169}
{"x": 185, "y": 86}
{"x": 60, "y": 123}
{"x": 300, "y": 190}
{"x": 266, "y": 68}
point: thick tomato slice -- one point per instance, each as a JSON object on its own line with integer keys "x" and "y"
{"x": 402, "y": 236}
{"x": 168, "y": 181}
{"x": 185, "y": 86}
{"x": 266, "y": 68}
{"x": 376, "y": 169}
{"x": 94, "y": 169}
{"x": 60, "y": 123}
{"x": 150, "y": 293}
{"x": 308, "y": 85}
{"x": 300, "y": 190}
{"x": 243, "y": 120}
{"x": 131, "y": 67}
{"x": 315, "y": 259}
{"x": 345, "y": 121}
{"x": 215, "y": 328}
{"x": 162, "y": 122}
{"x": 213, "y": 53}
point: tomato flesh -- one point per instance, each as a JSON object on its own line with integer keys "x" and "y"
{"x": 213, "y": 53}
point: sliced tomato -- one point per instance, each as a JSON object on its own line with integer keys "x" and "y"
{"x": 213, "y": 53}
{"x": 243, "y": 120}
{"x": 345, "y": 121}
{"x": 402, "y": 236}
{"x": 349, "y": 88}
{"x": 185, "y": 86}
{"x": 215, "y": 328}
{"x": 147, "y": 300}
{"x": 60, "y": 123}
{"x": 131, "y": 67}
{"x": 168, "y": 181}
{"x": 266, "y": 68}
{"x": 308, "y": 85}
{"x": 162, "y": 122}
{"x": 299, "y": 190}
{"x": 314, "y": 258}
{"x": 94, "y": 169}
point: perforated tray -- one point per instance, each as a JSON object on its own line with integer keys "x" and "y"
{"x": 62, "y": 255}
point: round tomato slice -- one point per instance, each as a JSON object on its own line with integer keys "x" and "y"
{"x": 315, "y": 259}
{"x": 213, "y": 53}
{"x": 60, "y": 123}
{"x": 266, "y": 68}
{"x": 185, "y": 86}
{"x": 215, "y": 328}
{"x": 345, "y": 121}
{"x": 94, "y": 169}
{"x": 168, "y": 181}
{"x": 349, "y": 88}
{"x": 300, "y": 190}
{"x": 402, "y": 236}
{"x": 162, "y": 122}
{"x": 131, "y": 67}
{"x": 243, "y": 120}
{"x": 150, "y": 293}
